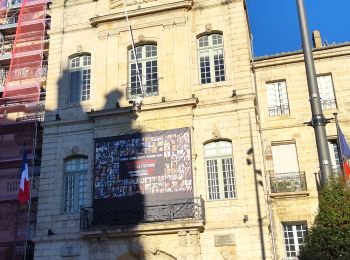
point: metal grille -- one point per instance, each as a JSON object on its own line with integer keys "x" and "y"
{"x": 175, "y": 210}
{"x": 288, "y": 182}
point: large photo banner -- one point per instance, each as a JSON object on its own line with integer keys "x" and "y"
{"x": 143, "y": 168}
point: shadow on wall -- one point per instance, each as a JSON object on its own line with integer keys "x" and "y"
{"x": 117, "y": 200}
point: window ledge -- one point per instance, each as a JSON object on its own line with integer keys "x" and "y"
{"x": 224, "y": 83}
{"x": 290, "y": 194}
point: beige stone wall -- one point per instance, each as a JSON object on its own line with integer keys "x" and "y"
{"x": 208, "y": 110}
{"x": 333, "y": 60}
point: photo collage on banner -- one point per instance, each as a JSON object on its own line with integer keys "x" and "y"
{"x": 148, "y": 164}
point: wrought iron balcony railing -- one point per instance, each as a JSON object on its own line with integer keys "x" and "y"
{"x": 134, "y": 90}
{"x": 328, "y": 104}
{"x": 182, "y": 209}
{"x": 279, "y": 110}
{"x": 288, "y": 182}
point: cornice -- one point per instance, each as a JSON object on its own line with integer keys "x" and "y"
{"x": 148, "y": 107}
{"x": 186, "y": 4}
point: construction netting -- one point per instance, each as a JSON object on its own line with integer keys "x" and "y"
{"x": 24, "y": 76}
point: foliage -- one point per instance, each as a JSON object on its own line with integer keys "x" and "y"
{"x": 329, "y": 237}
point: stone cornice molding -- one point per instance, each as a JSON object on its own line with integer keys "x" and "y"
{"x": 147, "y": 107}
{"x": 186, "y": 4}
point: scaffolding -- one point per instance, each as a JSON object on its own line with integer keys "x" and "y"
{"x": 23, "y": 51}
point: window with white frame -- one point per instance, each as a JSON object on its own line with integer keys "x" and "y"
{"x": 220, "y": 170}
{"x": 277, "y": 98}
{"x": 75, "y": 188}
{"x": 326, "y": 90}
{"x": 146, "y": 57}
{"x": 335, "y": 156}
{"x": 294, "y": 237}
{"x": 80, "y": 73}
{"x": 211, "y": 58}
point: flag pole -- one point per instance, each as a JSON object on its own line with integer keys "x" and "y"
{"x": 338, "y": 141}
{"x": 31, "y": 181}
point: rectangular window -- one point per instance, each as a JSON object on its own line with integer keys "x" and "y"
{"x": 294, "y": 237}
{"x": 220, "y": 170}
{"x": 286, "y": 176}
{"x": 213, "y": 179}
{"x": 325, "y": 87}
{"x": 277, "y": 99}
{"x": 211, "y": 58}
{"x": 75, "y": 184}
{"x": 335, "y": 157}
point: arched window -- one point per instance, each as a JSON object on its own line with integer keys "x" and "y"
{"x": 146, "y": 56}
{"x": 80, "y": 72}
{"x": 75, "y": 177}
{"x": 220, "y": 170}
{"x": 211, "y": 58}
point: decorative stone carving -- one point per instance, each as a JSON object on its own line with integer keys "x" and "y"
{"x": 120, "y": 3}
{"x": 216, "y": 133}
{"x": 141, "y": 38}
{"x": 79, "y": 48}
{"x": 75, "y": 150}
{"x": 208, "y": 27}
{"x": 182, "y": 238}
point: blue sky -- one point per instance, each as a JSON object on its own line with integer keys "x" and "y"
{"x": 275, "y": 28}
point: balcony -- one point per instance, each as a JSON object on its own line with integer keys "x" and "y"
{"x": 280, "y": 110}
{"x": 134, "y": 90}
{"x": 288, "y": 182}
{"x": 182, "y": 211}
{"x": 328, "y": 104}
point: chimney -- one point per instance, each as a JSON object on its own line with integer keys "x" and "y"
{"x": 316, "y": 39}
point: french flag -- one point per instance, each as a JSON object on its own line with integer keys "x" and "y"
{"x": 24, "y": 185}
{"x": 345, "y": 153}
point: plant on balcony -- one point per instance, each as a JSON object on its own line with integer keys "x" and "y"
{"x": 329, "y": 237}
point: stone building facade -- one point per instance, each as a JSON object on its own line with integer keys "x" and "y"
{"x": 197, "y": 72}
{"x": 289, "y": 146}
{"x": 195, "y": 63}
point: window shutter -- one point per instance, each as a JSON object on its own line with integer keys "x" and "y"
{"x": 285, "y": 158}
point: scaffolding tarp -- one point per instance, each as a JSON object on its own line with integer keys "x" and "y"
{"x": 24, "y": 77}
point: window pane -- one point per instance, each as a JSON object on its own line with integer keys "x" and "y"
{"x": 210, "y": 149}
{"x": 225, "y": 148}
{"x": 205, "y": 67}
{"x": 69, "y": 193}
{"x": 213, "y": 179}
{"x": 148, "y": 70}
{"x": 277, "y": 99}
{"x": 294, "y": 236}
{"x": 219, "y": 65}
{"x": 75, "y": 86}
{"x": 228, "y": 176}
{"x": 325, "y": 88}
{"x": 203, "y": 41}
{"x": 75, "y": 190}
{"x": 80, "y": 78}
{"x": 151, "y": 76}
{"x": 217, "y": 39}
